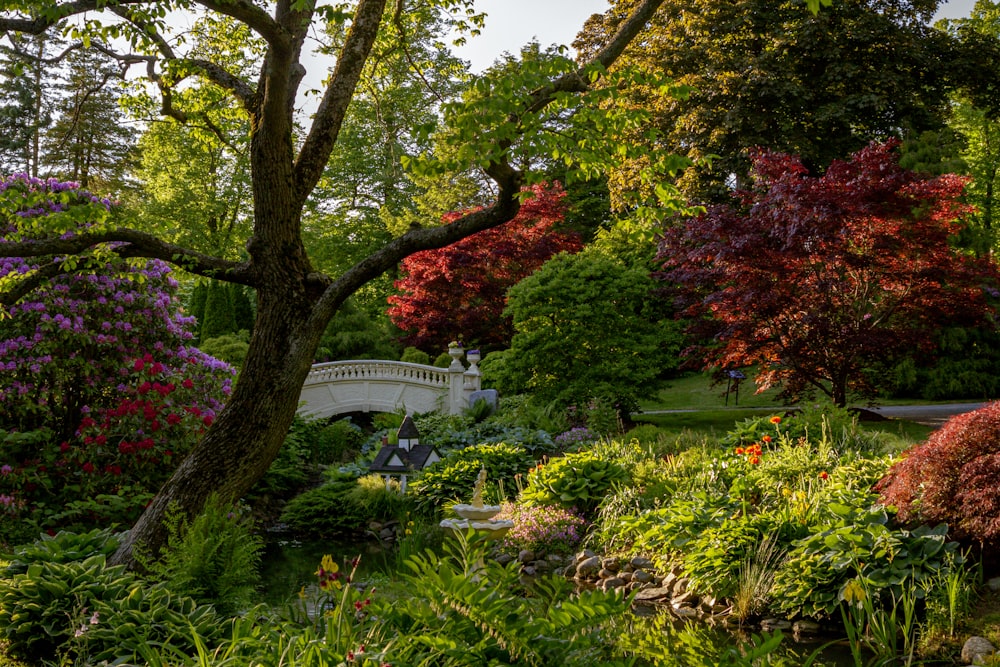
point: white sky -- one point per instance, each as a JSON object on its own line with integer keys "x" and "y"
{"x": 511, "y": 24}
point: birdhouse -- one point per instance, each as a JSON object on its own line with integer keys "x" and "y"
{"x": 406, "y": 457}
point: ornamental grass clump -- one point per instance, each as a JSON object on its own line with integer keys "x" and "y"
{"x": 543, "y": 529}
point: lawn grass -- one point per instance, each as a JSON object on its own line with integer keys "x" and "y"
{"x": 696, "y": 392}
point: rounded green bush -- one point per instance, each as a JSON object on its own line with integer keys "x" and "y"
{"x": 579, "y": 480}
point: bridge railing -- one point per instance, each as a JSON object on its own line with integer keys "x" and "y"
{"x": 398, "y": 371}
{"x": 449, "y": 388}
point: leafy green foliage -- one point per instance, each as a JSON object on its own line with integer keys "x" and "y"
{"x": 856, "y": 541}
{"x": 462, "y": 614}
{"x": 325, "y": 511}
{"x": 585, "y": 328}
{"x": 214, "y": 559}
{"x": 576, "y": 480}
{"x": 231, "y": 348}
{"x": 412, "y": 355}
{"x": 453, "y": 478}
{"x": 67, "y": 609}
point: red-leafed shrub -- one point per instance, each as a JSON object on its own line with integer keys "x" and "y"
{"x": 952, "y": 478}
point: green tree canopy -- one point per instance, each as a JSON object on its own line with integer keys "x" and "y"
{"x": 586, "y": 328}
{"x": 766, "y": 74}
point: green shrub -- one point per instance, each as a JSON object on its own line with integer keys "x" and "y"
{"x": 63, "y": 547}
{"x": 214, "y": 559}
{"x": 853, "y": 542}
{"x": 412, "y": 355}
{"x": 231, "y": 348}
{"x": 453, "y": 478}
{"x": 578, "y": 480}
{"x": 374, "y": 500}
{"x": 88, "y": 612}
{"x": 337, "y": 442}
{"x": 325, "y": 511}
{"x": 443, "y": 360}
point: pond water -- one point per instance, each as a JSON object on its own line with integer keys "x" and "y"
{"x": 288, "y": 565}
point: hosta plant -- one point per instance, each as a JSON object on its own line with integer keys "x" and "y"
{"x": 579, "y": 480}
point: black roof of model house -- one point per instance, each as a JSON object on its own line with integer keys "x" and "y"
{"x": 397, "y": 459}
{"x": 407, "y": 429}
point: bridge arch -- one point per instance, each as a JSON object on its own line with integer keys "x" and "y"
{"x": 339, "y": 387}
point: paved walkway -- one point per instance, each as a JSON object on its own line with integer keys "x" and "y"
{"x": 932, "y": 415}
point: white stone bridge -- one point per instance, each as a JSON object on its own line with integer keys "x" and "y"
{"x": 339, "y": 387}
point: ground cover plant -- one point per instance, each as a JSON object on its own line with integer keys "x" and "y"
{"x": 775, "y": 517}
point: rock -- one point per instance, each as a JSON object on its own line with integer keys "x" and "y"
{"x": 627, "y": 577}
{"x": 541, "y": 566}
{"x": 641, "y": 563}
{"x": 680, "y": 586}
{"x": 611, "y": 564}
{"x": 612, "y": 583}
{"x": 654, "y": 595}
{"x": 642, "y": 576}
{"x": 525, "y": 556}
{"x": 684, "y": 612}
{"x": 806, "y": 627}
{"x": 668, "y": 580}
{"x": 386, "y": 534}
{"x": 770, "y": 624}
{"x": 687, "y": 598}
{"x": 627, "y": 567}
{"x": 976, "y": 650}
{"x": 528, "y": 571}
{"x": 555, "y": 559}
{"x": 994, "y": 584}
{"x": 588, "y": 567}
{"x": 581, "y": 556}
{"x": 504, "y": 559}
{"x": 605, "y": 573}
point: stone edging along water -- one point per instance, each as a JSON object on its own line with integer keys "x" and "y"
{"x": 672, "y": 591}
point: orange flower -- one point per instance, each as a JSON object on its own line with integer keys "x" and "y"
{"x": 766, "y": 438}
{"x": 739, "y": 450}
{"x": 754, "y": 460}
{"x": 775, "y": 419}
{"x": 823, "y": 475}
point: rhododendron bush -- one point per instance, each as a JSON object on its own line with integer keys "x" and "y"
{"x": 952, "y": 478}
{"x": 96, "y": 366}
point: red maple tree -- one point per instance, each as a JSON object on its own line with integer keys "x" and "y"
{"x": 459, "y": 292}
{"x": 819, "y": 281}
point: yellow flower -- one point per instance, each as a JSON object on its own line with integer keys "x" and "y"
{"x": 328, "y": 573}
{"x": 853, "y": 592}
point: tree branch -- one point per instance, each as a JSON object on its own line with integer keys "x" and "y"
{"x": 38, "y": 25}
{"x": 254, "y": 17}
{"x": 576, "y": 81}
{"x": 135, "y": 244}
{"x": 339, "y": 92}
{"x": 29, "y": 283}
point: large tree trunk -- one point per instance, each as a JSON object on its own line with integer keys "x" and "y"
{"x": 249, "y": 432}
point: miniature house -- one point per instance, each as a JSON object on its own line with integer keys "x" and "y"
{"x": 406, "y": 457}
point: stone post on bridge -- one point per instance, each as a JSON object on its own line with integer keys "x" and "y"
{"x": 457, "y": 399}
